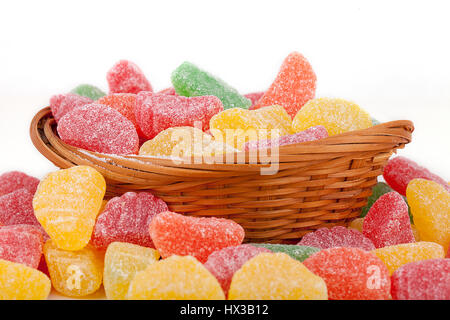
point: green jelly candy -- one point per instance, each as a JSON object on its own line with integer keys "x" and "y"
{"x": 190, "y": 81}
{"x": 89, "y": 91}
{"x": 375, "y": 122}
{"x": 297, "y": 252}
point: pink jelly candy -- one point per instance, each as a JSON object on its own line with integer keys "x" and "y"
{"x": 176, "y": 234}
{"x": 99, "y": 128}
{"x": 310, "y": 134}
{"x": 422, "y": 280}
{"x": 17, "y": 208}
{"x": 127, "y": 219}
{"x": 157, "y": 112}
{"x": 61, "y": 104}
{"x": 224, "y": 263}
{"x": 387, "y": 222}
{"x": 14, "y": 180}
{"x": 399, "y": 171}
{"x": 169, "y": 91}
{"x": 351, "y": 274}
{"x": 127, "y": 77}
{"x": 21, "y": 244}
{"x": 325, "y": 238}
{"x": 254, "y": 98}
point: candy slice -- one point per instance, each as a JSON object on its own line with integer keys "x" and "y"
{"x": 67, "y": 203}
{"x": 336, "y": 115}
{"x": 87, "y": 90}
{"x": 74, "y": 273}
{"x": 122, "y": 262}
{"x": 99, "y": 128}
{"x": 19, "y": 282}
{"x": 422, "y": 280}
{"x": 396, "y": 256}
{"x": 127, "y": 77}
{"x": 254, "y": 98}
{"x": 21, "y": 244}
{"x": 325, "y": 238}
{"x": 276, "y": 276}
{"x": 294, "y": 85}
{"x": 175, "y": 278}
{"x": 176, "y": 234}
{"x": 399, "y": 171}
{"x": 15, "y": 180}
{"x": 62, "y": 104}
{"x": 190, "y": 81}
{"x": 300, "y": 253}
{"x": 127, "y": 219}
{"x": 430, "y": 206}
{"x": 351, "y": 274}
{"x": 224, "y": 263}
{"x": 387, "y": 222}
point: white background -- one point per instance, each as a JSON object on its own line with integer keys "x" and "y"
{"x": 391, "y": 57}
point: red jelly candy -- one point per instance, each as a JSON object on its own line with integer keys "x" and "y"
{"x": 325, "y": 238}
{"x": 169, "y": 91}
{"x": 127, "y": 219}
{"x": 126, "y": 77}
{"x": 99, "y": 128}
{"x": 399, "y": 171}
{"x": 17, "y": 208}
{"x": 224, "y": 263}
{"x": 387, "y": 222}
{"x": 176, "y": 234}
{"x": 254, "y": 98}
{"x": 351, "y": 274}
{"x": 294, "y": 85}
{"x": 422, "y": 280}
{"x": 14, "y": 180}
{"x": 61, "y": 104}
{"x": 157, "y": 112}
{"x": 21, "y": 244}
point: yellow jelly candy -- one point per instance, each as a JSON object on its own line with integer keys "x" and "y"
{"x": 336, "y": 115}
{"x": 19, "y": 282}
{"x": 122, "y": 262}
{"x": 357, "y": 224}
{"x": 430, "y": 207}
{"x": 74, "y": 273}
{"x": 396, "y": 256}
{"x": 236, "y": 126}
{"x": 67, "y": 202}
{"x": 175, "y": 278}
{"x": 276, "y": 276}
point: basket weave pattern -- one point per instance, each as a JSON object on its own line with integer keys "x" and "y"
{"x": 319, "y": 184}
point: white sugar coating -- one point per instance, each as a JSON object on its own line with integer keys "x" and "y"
{"x": 126, "y": 77}
{"x": 17, "y": 208}
{"x": 61, "y": 104}
{"x": 14, "y": 180}
{"x": 99, "y": 128}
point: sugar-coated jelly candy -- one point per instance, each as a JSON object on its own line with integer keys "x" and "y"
{"x": 276, "y": 276}
{"x": 127, "y": 219}
{"x": 399, "y": 171}
{"x": 357, "y": 224}
{"x": 310, "y": 134}
{"x": 387, "y": 222}
{"x": 157, "y": 112}
{"x": 88, "y": 90}
{"x": 422, "y": 280}
{"x": 15, "y": 180}
{"x": 19, "y": 282}
{"x": 254, "y": 98}
{"x": 351, "y": 274}
{"x": 430, "y": 206}
{"x": 225, "y": 262}
{"x": 300, "y": 253}
{"x": 190, "y": 81}
{"x": 169, "y": 91}
{"x": 122, "y": 262}
{"x": 325, "y": 238}
{"x": 396, "y": 256}
{"x": 21, "y": 244}
{"x": 336, "y": 115}
{"x": 176, "y": 234}
{"x": 294, "y": 85}
{"x": 175, "y": 278}
{"x": 377, "y": 191}
{"x": 61, "y": 104}
{"x": 127, "y": 77}
{"x": 67, "y": 203}
{"x": 99, "y": 128}
{"x": 17, "y": 208}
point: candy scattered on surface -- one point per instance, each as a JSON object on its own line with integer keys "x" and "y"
{"x": 122, "y": 262}
{"x": 127, "y": 77}
{"x": 351, "y": 274}
{"x": 297, "y": 252}
{"x": 175, "y": 278}
{"x": 90, "y": 91}
{"x": 176, "y": 234}
{"x": 276, "y": 276}
{"x": 15, "y": 180}
{"x": 61, "y": 104}
{"x": 377, "y": 191}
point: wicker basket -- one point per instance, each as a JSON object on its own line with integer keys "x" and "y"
{"x": 319, "y": 184}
